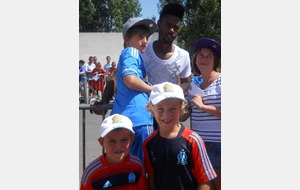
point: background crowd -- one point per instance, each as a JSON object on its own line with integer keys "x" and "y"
{"x": 96, "y": 75}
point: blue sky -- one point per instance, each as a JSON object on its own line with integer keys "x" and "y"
{"x": 149, "y": 8}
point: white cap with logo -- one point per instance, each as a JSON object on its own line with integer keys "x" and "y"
{"x": 113, "y": 122}
{"x": 165, "y": 90}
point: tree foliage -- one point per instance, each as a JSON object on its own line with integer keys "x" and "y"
{"x": 106, "y": 15}
{"x": 202, "y": 19}
{"x": 87, "y": 16}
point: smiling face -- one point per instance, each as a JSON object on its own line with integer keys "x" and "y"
{"x": 117, "y": 145}
{"x": 205, "y": 59}
{"x": 167, "y": 113}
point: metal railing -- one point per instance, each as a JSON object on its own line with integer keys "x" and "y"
{"x": 85, "y": 107}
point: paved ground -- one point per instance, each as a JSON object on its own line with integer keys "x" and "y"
{"x": 92, "y": 147}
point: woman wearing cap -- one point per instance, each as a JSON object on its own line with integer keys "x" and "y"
{"x": 204, "y": 96}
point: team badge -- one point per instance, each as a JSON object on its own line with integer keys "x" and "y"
{"x": 131, "y": 177}
{"x": 168, "y": 88}
{"x": 182, "y": 157}
{"x": 117, "y": 119}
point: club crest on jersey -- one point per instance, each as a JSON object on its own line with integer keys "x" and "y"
{"x": 182, "y": 157}
{"x": 131, "y": 177}
{"x": 107, "y": 184}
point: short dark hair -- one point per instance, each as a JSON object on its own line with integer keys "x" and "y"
{"x": 174, "y": 9}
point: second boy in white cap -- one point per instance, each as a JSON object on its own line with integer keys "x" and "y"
{"x": 116, "y": 168}
{"x": 175, "y": 156}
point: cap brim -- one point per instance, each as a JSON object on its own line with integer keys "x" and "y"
{"x": 165, "y": 96}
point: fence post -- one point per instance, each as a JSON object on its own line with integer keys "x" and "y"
{"x": 86, "y": 90}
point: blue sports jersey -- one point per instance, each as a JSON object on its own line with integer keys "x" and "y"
{"x": 129, "y": 102}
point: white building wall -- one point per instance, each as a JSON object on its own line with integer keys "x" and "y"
{"x": 101, "y": 45}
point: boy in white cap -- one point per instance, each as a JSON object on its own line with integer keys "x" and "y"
{"x": 116, "y": 168}
{"x": 175, "y": 156}
{"x": 132, "y": 91}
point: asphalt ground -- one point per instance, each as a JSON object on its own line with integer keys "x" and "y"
{"x": 92, "y": 147}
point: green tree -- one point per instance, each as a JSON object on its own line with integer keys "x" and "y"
{"x": 106, "y": 15}
{"x": 87, "y": 16}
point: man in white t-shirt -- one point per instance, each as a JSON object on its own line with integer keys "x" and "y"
{"x": 89, "y": 66}
{"x": 165, "y": 61}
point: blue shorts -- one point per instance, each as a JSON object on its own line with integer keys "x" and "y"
{"x": 140, "y": 134}
{"x": 214, "y": 153}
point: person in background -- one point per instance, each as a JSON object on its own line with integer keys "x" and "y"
{"x": 204, "y": 95}
{"x": 95, "y": 60}
{"x": 81, "y": 74}
{"x": 175, "y": 156}
{"x": 132, "y": 91}
{"x": 112, "y": 69}
{"x": 108, "y": 63}
{"x": 99, "y": 79}
{"x": 89, "y": 66}
{"x": 116, "y": 168}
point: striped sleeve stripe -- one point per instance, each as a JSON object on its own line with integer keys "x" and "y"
{"x": 137, "y": 160}
{"x": 134, "y": 52}
{"x": 90, "y": 169}
{"x": 130, "y": 69}
{"x": 208, "y": 169}
{"x": 149, "y": 129}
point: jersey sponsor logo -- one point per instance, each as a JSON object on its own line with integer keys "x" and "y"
{"x": 131, "y": 178}
{"x": 107, "y": 184}
{"x": 182, "y": 157}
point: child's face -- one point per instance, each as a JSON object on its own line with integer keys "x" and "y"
{"x": 117, "y": 145}
{"x": 138, "y": 41}
{"x": 167, "y": 112}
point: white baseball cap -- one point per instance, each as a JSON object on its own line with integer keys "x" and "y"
{"x": 150, "y": 24}
{"x": 113, "y": 122}
{"x": 165, "y": 90}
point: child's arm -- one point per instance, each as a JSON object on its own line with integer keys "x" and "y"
{"x": 197, "y": 100}
{"x": 135, "y": 83}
